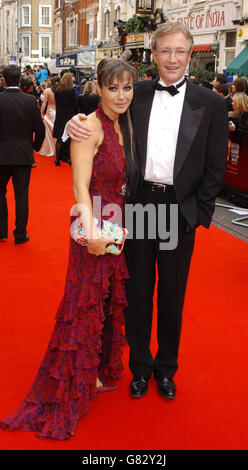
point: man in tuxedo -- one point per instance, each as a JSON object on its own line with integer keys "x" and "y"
{"x": 19, "y": 119}
{"x": 181, "y": 133}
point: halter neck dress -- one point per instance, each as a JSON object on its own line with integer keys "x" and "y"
{"x": 66, "y": 381}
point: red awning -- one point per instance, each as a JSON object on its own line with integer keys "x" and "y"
{"x": 203, "y": 48}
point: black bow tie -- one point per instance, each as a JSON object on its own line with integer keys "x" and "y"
{"x": 172, "y": 89}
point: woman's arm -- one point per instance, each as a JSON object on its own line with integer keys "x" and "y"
{"x": 44, "y": 101}
{"x": 82, "y": 154}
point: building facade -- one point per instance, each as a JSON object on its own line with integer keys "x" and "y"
{"x": 217, "y": 28}
{"x": 212, "y": 24}
{"x": 112, "y": 17}
{"x": 75, "y": 34}
{"x": 58, "y": 26}
{"x": 35, "y": 31}
{"x": 76, "y": 22}
{"x": 108, "y": 40}
{"x": 8, "y": 41}
{"x": 32, "y": 31}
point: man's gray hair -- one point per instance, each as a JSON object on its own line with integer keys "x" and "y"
{"x": 168, "y": 28}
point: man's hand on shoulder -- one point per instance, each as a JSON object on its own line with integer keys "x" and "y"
{"x": 77, "y": 128}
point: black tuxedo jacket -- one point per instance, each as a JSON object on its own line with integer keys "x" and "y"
{"x": 201, "y": 150}
{"x": 20, "y": 118}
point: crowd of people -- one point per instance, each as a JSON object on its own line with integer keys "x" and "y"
{"x": 236, "y": 96}
{"x": 58, "y": 101}
{"x": 159, "y": 142}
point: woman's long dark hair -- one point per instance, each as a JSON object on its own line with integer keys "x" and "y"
{"x": 66, "y": 82}
{"x": 131, "y": 169}
{"x": 107, "y": 70}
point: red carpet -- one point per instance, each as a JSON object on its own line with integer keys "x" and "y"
{"x": 211, "y": 408}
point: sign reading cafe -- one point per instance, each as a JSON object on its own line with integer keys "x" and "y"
{"x": 66, "y": 61}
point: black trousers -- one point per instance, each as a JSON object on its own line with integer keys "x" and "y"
{"x": 143, "y": 256}
{"x": 20, "y": 178}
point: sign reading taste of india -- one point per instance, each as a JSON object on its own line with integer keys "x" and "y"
{"x": 200, "y": 20}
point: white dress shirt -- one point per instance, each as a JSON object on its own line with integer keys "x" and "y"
{"x": 162, "y": 134}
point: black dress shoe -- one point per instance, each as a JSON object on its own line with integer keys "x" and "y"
{"x": 166, "y": 387}
{"x": 20, "y": 242}
{"x": 138, "y": 387}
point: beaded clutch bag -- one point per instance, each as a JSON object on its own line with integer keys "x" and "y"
{"x": 108, "y": 230}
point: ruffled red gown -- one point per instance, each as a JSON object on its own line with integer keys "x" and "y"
{"x": 66, "y": 380}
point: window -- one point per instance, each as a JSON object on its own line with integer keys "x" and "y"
{"x": 107, "y": 25}
{"x": 19, "y": 17}
{"x": 229, "y": 56}
{"x": 57, "y": 4}
{"x": 45, "y": 46}
{"x": 7, "y": 32}
{"x": 45, "y": 15}
{"x": 58, "y": 37}
{"x": 91, "y": 34}
{"x": 231, "y": 39}
{"x": 10, "y": 33}
{"x": 26, "y": 15}
{"x": 26, "y": 40}
{"x": 230, "y": 47}
{"x": 71, "y": 30}
{"x": 117, "y": 13}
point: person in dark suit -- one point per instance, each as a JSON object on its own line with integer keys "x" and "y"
{"x": 222, "y": 89}
{"x": 182, "y": 162}
{"x": 66, "y": 107}
{"x": 181, "y": 133}
{"x": 20, "y": 119}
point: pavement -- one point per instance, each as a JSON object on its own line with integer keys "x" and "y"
{"x": 223, "y": 218}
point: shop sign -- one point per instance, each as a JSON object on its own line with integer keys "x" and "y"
{"x": 66, "y": 60}
{"x": 86, "y": 58}
{"x": 144, "y": 6}
{"x": 234, "y": 156}
{"x": 134, "y": 37}
{"x": 219, "y": 18}
{"x": 12, "y": 59}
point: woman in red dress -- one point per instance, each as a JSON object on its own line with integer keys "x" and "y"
{"x": 84, "y": 353}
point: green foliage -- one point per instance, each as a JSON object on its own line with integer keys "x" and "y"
{"x": 202, "y": 74}
{"x": 135, "y": 25}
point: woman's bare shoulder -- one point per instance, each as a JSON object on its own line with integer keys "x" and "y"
{"x": 95, "y": 125}
{"x": 93, "y": 122}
